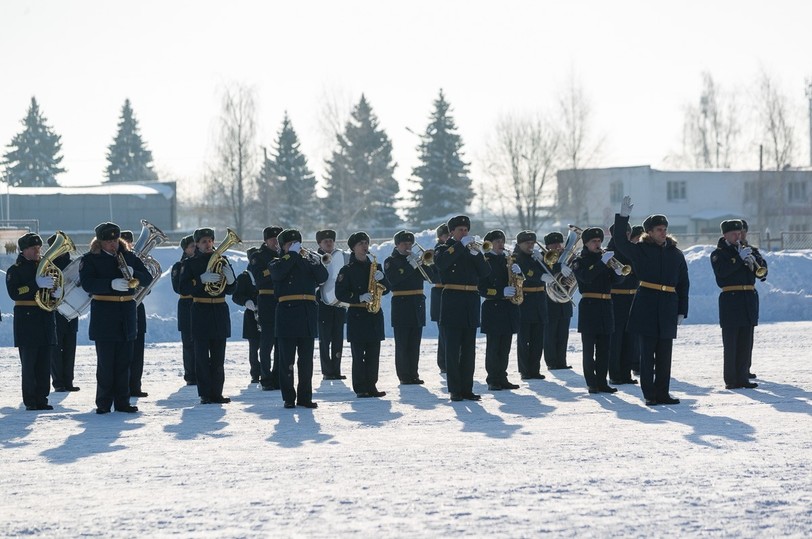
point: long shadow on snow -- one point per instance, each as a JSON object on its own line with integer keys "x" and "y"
{"x": 371, "y": 412}
{"x": 782, "y": 397}
{"x": 521, "y": 405}
{"x": 475, "y": 418}
{"x": 704, "y": 426}
{"x": 297, "y": 426}
{"x": 99, "y": 436}
{"x": 560, "y": 391}
{"x": 15, "y": 425}
{"x": 199, "y": 420}
{"x": 419, "y": 397}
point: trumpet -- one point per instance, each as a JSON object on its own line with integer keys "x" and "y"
{"x": 481, "y": 246}
{"x": 759, "y": 270}
{"x": 616, "y": 265}
{"x": 316, "y": 258}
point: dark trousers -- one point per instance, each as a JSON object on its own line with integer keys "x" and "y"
{"x": 113, "y": 373}
{"x": 655, "y": 366}
{"x": 407, "y": 352}
{"x": 738, "y": 344}
{"x": 625, "y": 355}
{"x": 529, "y": 347}
{"x": 189, "y": 372}
{"x": 331, "y": 338}
{"x": 137, "y": 364}
{"x": 287, "y": 357}
{"x": 497, "y": 352}
{"x": 365, "y": 363}
{"x": 596, "y": 358}
{"x": 556, "y": 335}
{"x": 63, "y": 358}
{"x": 210, "y": 358}
{"x": 460, "y": 357}
{"x": 35, "y": 362}
{"x": 441, "y": 349}
{"x": 269, "y": 373}
{"x": 253, "y": 358}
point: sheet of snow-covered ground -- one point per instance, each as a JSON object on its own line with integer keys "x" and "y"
{"x": 548, "y": 458}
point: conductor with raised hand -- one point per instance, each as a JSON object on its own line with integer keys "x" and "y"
{"x": 661, "y": 302}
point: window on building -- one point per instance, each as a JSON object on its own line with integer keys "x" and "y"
{"x": 798, "y": 227}
{"x": 750, "y": 192}
{"x": 616, "y": 191}
{"x": 796, "y": 192}
{"x": 676, "y": 191}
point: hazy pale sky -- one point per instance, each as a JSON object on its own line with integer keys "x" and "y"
{"x": 638, "y": 61}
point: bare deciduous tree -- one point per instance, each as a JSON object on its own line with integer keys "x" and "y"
{"x": 522, "y": 159}
{"x": 230, "y": 180}
{"x": 776, "y": 122}
{"x": 711, "y": 129}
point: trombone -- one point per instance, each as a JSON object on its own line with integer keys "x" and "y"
{"x": 426, "y": 258}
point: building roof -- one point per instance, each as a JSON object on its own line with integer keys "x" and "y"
{"x": 141, "y": 190}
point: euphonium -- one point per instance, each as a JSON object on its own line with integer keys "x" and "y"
{"x": 757, "y": 268}
{"x": 62, "y": 244}
{"x": 374, "y": 288}
{"x": 316, "y": 258}
{"x": 616, "y": 265}
{"x": 561, "y": 289}
{"x": 216, "y": 262}
{"x": 516, "y": 281}
{"x": 151, "y": 236}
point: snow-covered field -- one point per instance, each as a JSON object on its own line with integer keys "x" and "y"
{"x": 548, "y": 458}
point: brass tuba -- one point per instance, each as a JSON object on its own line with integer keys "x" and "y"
{"x": 46, "y": 267}
{"x": 374, "y": 287}
{"x": 216, "y": 262}
{"x": 151, "y": 236}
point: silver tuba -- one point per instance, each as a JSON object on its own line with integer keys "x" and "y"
{"x": 563, "y": 288}
{"x": 75, "y": 301}
{"x": 150, "y": 237}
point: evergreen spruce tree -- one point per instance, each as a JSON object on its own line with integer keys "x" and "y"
{"x": 361, "y": 187}
{"x": 267, "y": 209}
{"x": 128, "y": 159}
{"x": 294, "y": 184}
{"x": 444, "y": 187}
{"x": 32, "y": 159}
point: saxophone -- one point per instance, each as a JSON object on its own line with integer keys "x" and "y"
{"x": 516, "y": 281}
{"x": 216, "y": 262}
{"x": 44, "y": 300}
{"x": 374, "y": 287}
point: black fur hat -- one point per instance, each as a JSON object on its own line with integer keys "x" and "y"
{"x": 184, "y": 243}
{"x": 525, "y": 235}
{"x": 654, "y": 220}
{"x": 460, "y": 220}
{"x": 355, "y": 238}
{"x": 127, "y": 235}
{"x": 731, "y": 225}
{"x": 637, "y": 230}
{"x": 288, "y": 235}
{"x": 553, "y": 237}
{"x": 201, "y": 233}
{"x": 271, "y": 232}
{"x": 28, "y": 240}
{"x": 107, "y": 231}
{"x": 442, "y": 230}
{"x": 494, "y": 235}
{"x": 403, "y": 235}
{"x": 592, "y": 233}
{"x": 327, "y": 234}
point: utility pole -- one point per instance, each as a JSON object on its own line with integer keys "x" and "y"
{"x": 809, "y": 97}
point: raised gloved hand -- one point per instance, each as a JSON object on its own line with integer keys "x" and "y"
{"x": 45, "y": 281}
{"x": 607, "y": 256}
{"x": 413, "y": 260}
{"x": 366, "y": 297}
{"x": 516, "y": 269}
{"x": 56, "y": 292}
{"x": 228, "y": 272}
{"x": 680, "y": 318}
{"x": 565, "y": 270}
{"x": 745, "y": 252}
{"x": 378, "y": 275}
{"x": 121, "y": 284}
{"x": 626, "y": 206}
{"x": 509, "y": 291}
{"x": 295, "y": 247}
{"x": 249, "y": 304}
{"x": 466, "y": 240}
{"x": 547, "y": 278}
{"x": 210, "y": 277}
{"x": 537, "y": 256}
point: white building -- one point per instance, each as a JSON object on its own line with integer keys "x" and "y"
{"x": 694, "y": 201}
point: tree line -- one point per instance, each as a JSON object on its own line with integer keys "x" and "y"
{"x": 247, "y": 186}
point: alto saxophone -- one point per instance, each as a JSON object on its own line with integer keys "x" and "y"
{"x": 516, "y": 281}
{"x": 374, "y": 288}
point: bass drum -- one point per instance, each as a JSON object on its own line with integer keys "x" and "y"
{"x": 76, "y": 301}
